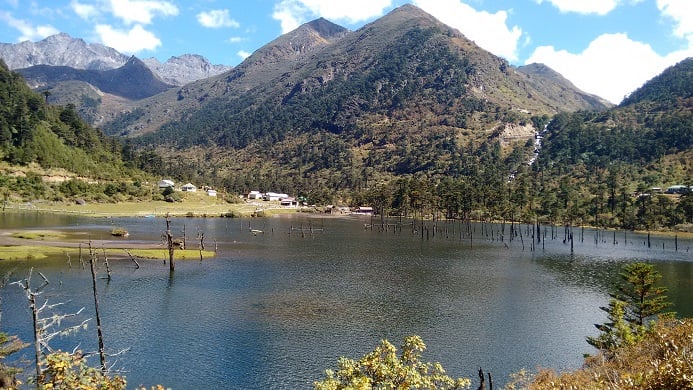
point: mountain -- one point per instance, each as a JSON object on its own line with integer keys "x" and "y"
{"x": 99, "y": 81}
{"x": 63, "y": 50}
{"x": 37, "y": 136}
{"x": 263, "y": 67}
{"x": 184, "y": 69}
{"x": 676, "y": 82}
{"x": 97, "y": 95}
{"x": 551, "y": 83}
{"x": 596, "y": 161}
{"x": 407, "y": 46}
{"x": 403, "y": 95}
{"x": 134, "y": 80}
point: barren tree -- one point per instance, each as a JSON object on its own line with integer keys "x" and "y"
{"x": 46, "y": 327}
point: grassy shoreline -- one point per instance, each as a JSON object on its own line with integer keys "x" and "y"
{"x": 193, "y": 207}
{"x": 42, "y": 252}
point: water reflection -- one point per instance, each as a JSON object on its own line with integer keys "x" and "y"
{"x": 275, "y": 309}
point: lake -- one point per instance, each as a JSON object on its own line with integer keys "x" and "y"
{"x": 275, "y": 309}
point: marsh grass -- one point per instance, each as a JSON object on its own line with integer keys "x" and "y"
{"x": 40, "y": 252}
{"x": 180, "y": 254}
{"x": 30, "y": 252}
{"x": 38, "y": 235}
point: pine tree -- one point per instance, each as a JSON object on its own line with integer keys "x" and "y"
{"x": 638, "y": 301}
{"x": 643, "y": 297}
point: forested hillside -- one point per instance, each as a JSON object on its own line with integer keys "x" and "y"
{"x": 605, "y": 168}
{"x": 328, "y": 112}
{"x": 408, "y": 116}
{"x": 404, "y": 114}
{"x": 37, "y": 139}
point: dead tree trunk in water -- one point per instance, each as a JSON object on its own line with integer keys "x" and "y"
{"x": 482, "y": 384}
{"x": 102, "y": 354}
{"x": 169, "y": 242}
{"x": 201, "y": 237}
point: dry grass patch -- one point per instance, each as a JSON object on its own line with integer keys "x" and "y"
{"x": 663, "y": 360}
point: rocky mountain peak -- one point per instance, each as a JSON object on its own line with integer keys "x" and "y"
{"x": 325, "y": 28}
{"x": 63, "y": 50}
{"x": 304, "y": 39}
{"x": 185, "y": 69}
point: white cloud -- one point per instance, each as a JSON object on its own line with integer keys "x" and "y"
{"x": 352, "y": 11}
{"x": 217, "y": 19}
{"x": 141, "y": 11}
{"x": 132, "y": 41}
{"x": 681, "y": 11}
{"x": 292, "y": 13}
{"x": 612, "y": 66}
{"x": 28, "y": 31}
{"x": 84, "y": 11}
{"x": 243, "y": 54}
{"x": 488, "y": 30}
{"x": 599, "y": 7}
{"x": 235, "y": 39}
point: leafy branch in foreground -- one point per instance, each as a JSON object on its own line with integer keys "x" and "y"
{"x": 382, "y": 368}
{"x": 8, "y": 346}
{"x": 70, "y": 371}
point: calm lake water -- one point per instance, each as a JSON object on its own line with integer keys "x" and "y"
{"x": 273, "y": 310}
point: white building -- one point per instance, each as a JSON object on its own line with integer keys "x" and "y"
{"x": 273, "y": 196}
{"x": 189, "y": 188}
{"x": 254, "y": 195}
{"x": 165, "y": 183}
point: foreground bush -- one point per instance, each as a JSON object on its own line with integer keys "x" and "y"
{"x": 663, "y": 359}
{"x": 70, "y": 372}
{"x": 383, "y": 369}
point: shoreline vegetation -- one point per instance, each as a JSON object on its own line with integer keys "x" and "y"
{"x": 242, "y": 209}
{"x": 18, "y": 244}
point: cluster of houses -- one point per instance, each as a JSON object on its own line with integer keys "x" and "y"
{"x": 679, "y": 189}
{"x": 675, "y": 189}
{"x": 189, "y": 187}
{"x": 283, "y": 199}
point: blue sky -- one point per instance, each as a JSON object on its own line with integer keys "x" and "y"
{"x": 605, "y": 47}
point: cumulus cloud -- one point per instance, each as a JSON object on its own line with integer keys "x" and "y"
{"x": 243, "y": 54}
{"x": 217, "y": 19}
{"x": 84, "y": 11}
{"x": 292, "y": 13}
{"x": 28, "y": 31}
{"x": 141, "y": 11}
{"x": 681, "y": 12}
{"x": 488, "y": 30}
{"x": 128, "y": 41}
{"x": 599, "y": 7}
{"x": 612, "y": 66}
